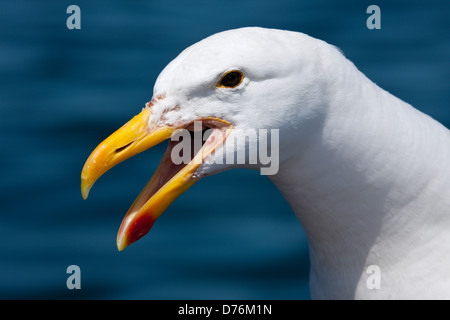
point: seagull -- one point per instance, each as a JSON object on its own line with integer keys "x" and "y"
{"x": 366, "y": 174}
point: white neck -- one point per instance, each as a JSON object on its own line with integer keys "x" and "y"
{"x": 372, "y": 188}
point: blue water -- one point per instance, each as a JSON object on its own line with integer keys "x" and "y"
{"x": 231, "y": 236}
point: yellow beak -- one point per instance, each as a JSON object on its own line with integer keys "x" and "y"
{"x": 169, "y": 180}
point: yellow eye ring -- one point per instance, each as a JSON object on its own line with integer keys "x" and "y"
{"x": 231, "y": 79}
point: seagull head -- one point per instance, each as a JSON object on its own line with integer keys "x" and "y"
{"x": 232, "y": 83}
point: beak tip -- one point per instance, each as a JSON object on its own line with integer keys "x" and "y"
{"x": 132, "y": 229}
{"x": 85, "y": 188}
{"x": 84, "y": 195}
{"x": 120, "y": 246}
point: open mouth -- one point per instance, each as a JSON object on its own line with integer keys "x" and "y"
{"x": 190, "y": 145}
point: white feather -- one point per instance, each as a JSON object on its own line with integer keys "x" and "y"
{"x": 366, "y": 174}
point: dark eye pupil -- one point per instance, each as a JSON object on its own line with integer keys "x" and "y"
{"x": 231, "y": 79}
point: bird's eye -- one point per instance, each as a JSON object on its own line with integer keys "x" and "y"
{"x": 231, "y": 79}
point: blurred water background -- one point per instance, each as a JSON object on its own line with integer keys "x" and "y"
{"x": 231, "y": 236}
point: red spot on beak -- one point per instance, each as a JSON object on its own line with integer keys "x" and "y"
{"x": 139, "y": 227}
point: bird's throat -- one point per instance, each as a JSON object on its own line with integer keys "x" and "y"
{"x": 360, "y": 191}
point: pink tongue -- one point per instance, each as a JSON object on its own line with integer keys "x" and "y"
{"x": 137, "y": 225}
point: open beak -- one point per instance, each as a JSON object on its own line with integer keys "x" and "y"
{"x": 168, "y": 182}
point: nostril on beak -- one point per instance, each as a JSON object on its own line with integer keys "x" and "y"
{"x": 124, "y": 147}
